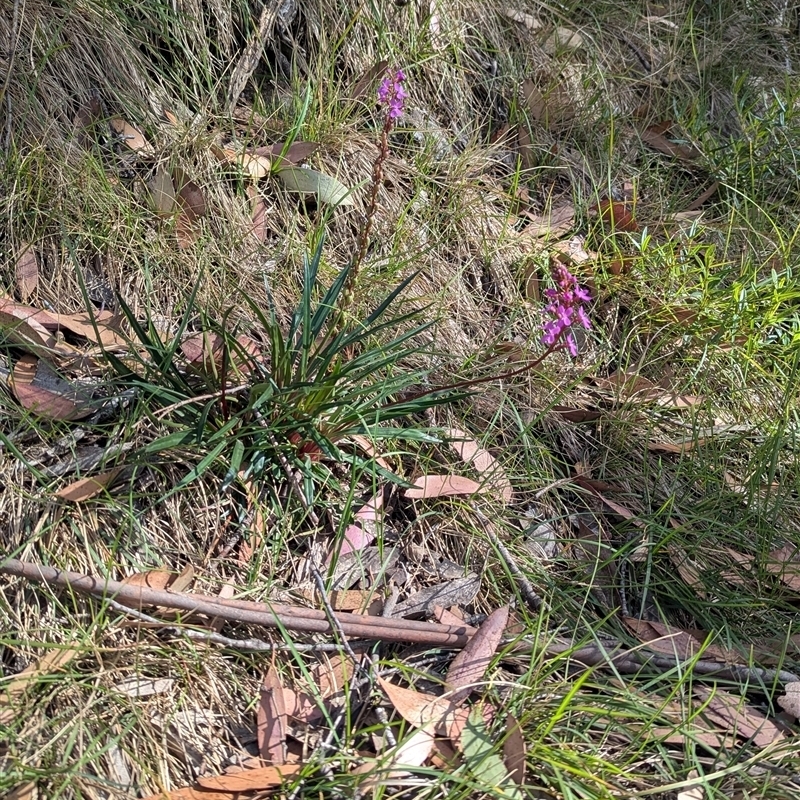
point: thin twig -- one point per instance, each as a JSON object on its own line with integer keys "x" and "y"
{"x": 247, "y": 645}
{"x": 525, "y": 586}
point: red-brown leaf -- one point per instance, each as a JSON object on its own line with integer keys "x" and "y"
{"x": 471, "y": 663}
{"x": 251, "y": 780}
{"x": 616, "y": 215}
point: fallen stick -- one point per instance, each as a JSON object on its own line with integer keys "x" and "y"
{"x": 611, "y": 655}
{"x": 268, "y": 615}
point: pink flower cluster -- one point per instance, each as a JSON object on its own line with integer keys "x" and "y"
{"x": 566, "y": 306}
{"x": 392, "y": 94}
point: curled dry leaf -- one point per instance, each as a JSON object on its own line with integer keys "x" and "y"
{"x": 615, "y": 215}
{"x": 189, "y": 195}
{"x": 655, "y": 137}
{"x": 470, "y": 664}
{"x": 562, "y": 39}
{"x": 132, "y": 137}
{"x": 528, "y": 20}
{"x": 21, "y": 326}
{"x": 365, "y": 82}
{"x": 26, "y": 271}
{"x": 86, "y": 488}
{"x": 417, "y": 708}
{"x": 44, "y": 393}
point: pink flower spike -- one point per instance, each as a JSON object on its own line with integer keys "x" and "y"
{"x": 392, "y": 94}
{"x": 566, "y": 307}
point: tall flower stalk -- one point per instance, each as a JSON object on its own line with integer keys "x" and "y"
{"x": 392, "y": 97}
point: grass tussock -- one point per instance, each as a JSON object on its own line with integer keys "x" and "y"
{"x": 665, "y": 134}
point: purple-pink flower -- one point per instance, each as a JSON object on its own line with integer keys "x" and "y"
{"x": 392, "y": 94}
{"x": 566, "y": 307}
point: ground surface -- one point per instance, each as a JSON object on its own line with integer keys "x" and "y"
{"x": 635, "y": 507}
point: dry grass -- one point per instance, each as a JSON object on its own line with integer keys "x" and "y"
{"x": 451, "y": 207}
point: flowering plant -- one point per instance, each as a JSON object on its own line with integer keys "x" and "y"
{"x": 566, "y": 307}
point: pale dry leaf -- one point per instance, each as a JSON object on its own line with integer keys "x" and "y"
{"x": 528, "y": 20}
{"x": 428, "y": 486}
{"x": 692, "y": 792}
{"x": 86, "y": 488}
{"x": 152, "y": 579}
{"x": 481, "y": 757}
{"x": 482, "y": 460}
{"x": 162, "y": 192}
{"x": 132, "y": 137}
{"x": 254, "y": 165}
{"x": 272, "y": 719}
{"x": 23, "y": 791}
{"x": 26, "y": 271}
{"x": 470, "y": 664}
{"x": 790, "y": 700}
{"x": 139, "y": 686}
{"x": 309, "y": 181}
{"x": 551, "y": 225}
{"x": 562, "y": 39}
